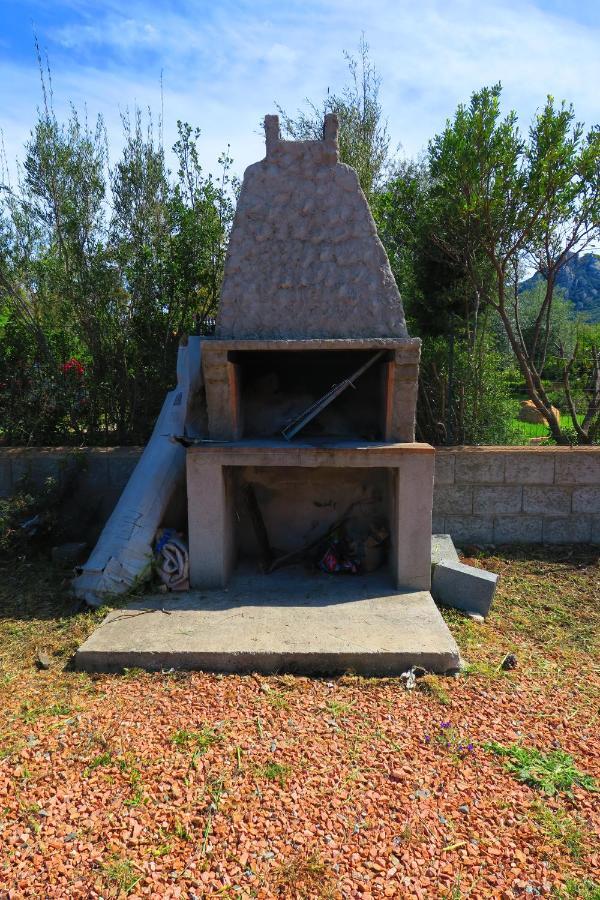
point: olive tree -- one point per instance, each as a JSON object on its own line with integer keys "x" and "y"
{"x": 499, "y": 199}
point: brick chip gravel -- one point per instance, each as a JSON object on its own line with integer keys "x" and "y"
{"x": 197, "y": 785}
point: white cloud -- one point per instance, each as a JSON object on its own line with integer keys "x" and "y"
{"x": 225, "y": 64}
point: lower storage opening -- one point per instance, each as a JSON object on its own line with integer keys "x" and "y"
{"x": 335, "y": 520}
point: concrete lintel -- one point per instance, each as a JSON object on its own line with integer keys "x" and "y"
{"x": 345, "y": 454}
{"x": 407, "y": 350}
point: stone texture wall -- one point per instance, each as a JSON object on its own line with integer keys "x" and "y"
{"x": 482, "y": 494}
{"x": 100, "y": 476}
{"x": 304, "y": 258}
{"x": 506, "y": 495}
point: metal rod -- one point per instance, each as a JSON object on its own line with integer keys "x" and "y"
{"x": 297, "y": 424}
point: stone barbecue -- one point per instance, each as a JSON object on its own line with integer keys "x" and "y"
{"x": 310, "y": 380}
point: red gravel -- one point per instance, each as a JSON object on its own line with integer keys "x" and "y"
{"x": 97, "y": 799}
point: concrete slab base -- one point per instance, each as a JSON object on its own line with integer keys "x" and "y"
{"x": 289, "y": 621}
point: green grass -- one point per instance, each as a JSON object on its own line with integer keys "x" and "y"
{"x": 274, "y": 771}
{"x": 103, "y": 759}
{"x": 336, "y": 709}
{"x": 199, "y": 741}
{"x": 578, "y": 890}
{"x": 120, "y": 874}
{"x": 560, "y": 828}
{"x": 550, "y": 773}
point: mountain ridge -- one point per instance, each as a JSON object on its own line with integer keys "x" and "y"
{"x": 579, "y": 279}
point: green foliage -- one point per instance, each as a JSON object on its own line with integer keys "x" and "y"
{"x": 560, "y": 828}
{"x": 578, "y": 890}
{"x": 274, "y": 771}
{"x": 460, "y": 225}
{"x": 363, "y": 137}
{"x": 465, "y": 393}
{"x": 200, "y": 741}
{"x": 551, "y": 772}
{"x": 121, "y": 874}
{"x": 102, "y": 271}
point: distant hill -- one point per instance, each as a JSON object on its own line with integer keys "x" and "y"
{"x": 579, "y": 278}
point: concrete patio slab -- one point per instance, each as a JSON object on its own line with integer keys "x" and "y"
{"x": 290, "y": 621}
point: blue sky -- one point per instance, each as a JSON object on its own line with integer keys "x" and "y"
{"x": 225, "y": 64}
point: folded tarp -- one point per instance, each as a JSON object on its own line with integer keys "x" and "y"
{"x": 123, "y": 554}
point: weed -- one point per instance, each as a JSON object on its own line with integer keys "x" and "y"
{"x": 304, "y": 876}
{"x": 578, "y": 890}
{"x": 120, "y": 873}
{"x": 432, "y": 686}
{"x": 30, "y": 714}
{"x": 103, "y": 759}
{"x": 181, "y": 831}
{"x": 215, "y": 792}
{"x": 549, "y": 772}
{"x": 336, "y": 709}
{"x": 199, "y": 741}
{"x": 128, "y": 764}
{"x": 274, "y": 771}
{"x": 560, "y": 828}
{"x": 134, "y": 672}
{"x": 452, "y": 740}
{"x": 277, "y": 700}
{"x": 161, "y": 850}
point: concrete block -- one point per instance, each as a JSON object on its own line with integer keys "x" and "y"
{"x": 567, "y": 530}
{"x": 547, "y": 501}
{"x": 586, "y": 500}
{"x": 289, "y": 621}
{"x": 464, "y": 587}
{"x": 444, "y": 467}
{"x": 470, "y": 529}
{"x": 595, "y": 538}
{"x": 535, "y": 466}
{"x": 479, "y": 467}
{"x": 518, "y": 530}
{"x": 454, "y": 499}
{"x": 37, "y": 467}
{"x": 578, "y": 466}
{"x": 497, "y": 499}
{"x": 442, "y": 549}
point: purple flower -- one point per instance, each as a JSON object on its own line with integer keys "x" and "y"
{"x": 469, "y": 746}
{"x": 427, "y": 739}
{"x": 444, "y": 724}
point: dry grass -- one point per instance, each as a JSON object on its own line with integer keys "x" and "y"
{"x": 303, "y": 787}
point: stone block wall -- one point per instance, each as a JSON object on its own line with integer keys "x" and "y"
{"x": 482, "y": 495}
{"x": 99, "y": 476}
{"x": 510, "y": 495}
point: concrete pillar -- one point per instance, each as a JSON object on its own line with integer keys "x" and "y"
{"x": 410, "y": 517}
{"x": 210, "y": 523}
{"x": 223, "y": 401}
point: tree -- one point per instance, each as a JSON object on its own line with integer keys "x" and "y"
{"x": 363, "y": 137}
{"x": 102, "y": 272}
{"x": 498, "y": 199}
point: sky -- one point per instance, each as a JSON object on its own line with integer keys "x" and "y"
{"x": 224, "y": 64}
